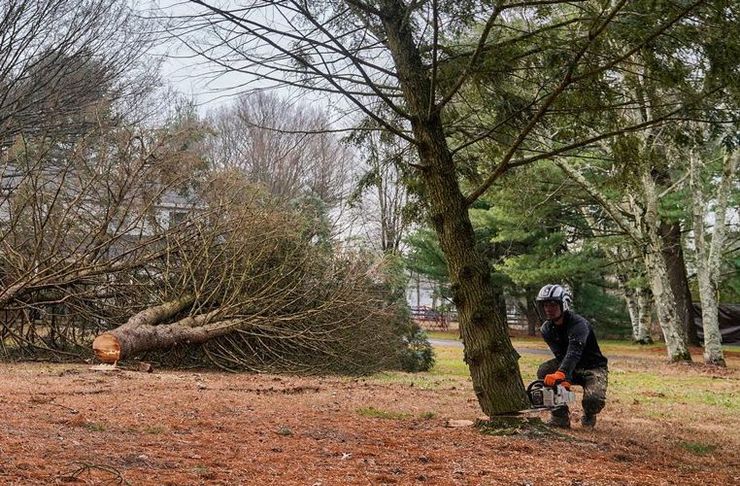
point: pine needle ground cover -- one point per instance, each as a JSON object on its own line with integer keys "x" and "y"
{"x": 663, "y": 424}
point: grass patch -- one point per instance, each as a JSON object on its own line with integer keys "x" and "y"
{"x": 154, "y": 429}
{"x": 427, "y": 415}
{"x": 699, "y": 448}
{"x": 204, "y": 472}
{"x": 448, "y": 360}
{"x": 383, "y": 414}
{"x": 95, "y": 426}
{"x": 685, "y": 389}
{"x": 284, "y": 431}
{"x": 449, "y": 335}
{"x": 423, "y": 381}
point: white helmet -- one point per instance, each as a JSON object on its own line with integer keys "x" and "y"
{"x": 555, "y": 293}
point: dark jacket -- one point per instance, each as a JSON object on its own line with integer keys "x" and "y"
{"x": 573, "y": 344}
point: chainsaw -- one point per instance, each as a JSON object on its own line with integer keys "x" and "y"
{"x": 549, "y": 397}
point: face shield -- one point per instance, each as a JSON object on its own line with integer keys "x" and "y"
{"x": 550, "y": 309}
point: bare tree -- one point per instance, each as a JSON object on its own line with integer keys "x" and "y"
{"x": 64, "y": 64}
{"x": 381, "y": 198}
{"x": 415, "y": 60}
{"x": 286, "y": 148}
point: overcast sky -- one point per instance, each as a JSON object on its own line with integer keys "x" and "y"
{"x": 197, "y": 79}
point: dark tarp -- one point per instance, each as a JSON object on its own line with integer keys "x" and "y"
{"x": 729, "y": 322}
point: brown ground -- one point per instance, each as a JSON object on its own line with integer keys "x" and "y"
{"x": 71, "y": 424}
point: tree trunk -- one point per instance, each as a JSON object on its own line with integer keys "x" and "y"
{"x": 665, "y": 305}
{"x": 670, "y": 233}
{"x": 145, "y": 331}
{"x": 533, "y": 319}
{"x": 488, "y": 350}
{"x": 708, "y": 252}
{"x": 489, "y": 353}
{"x": 125, "y": 342}
{"x": 665, "y": 301}
{"x": 630, "y": 297}
{"x": 710, "y": 321}
{"x": 644, "y": 316}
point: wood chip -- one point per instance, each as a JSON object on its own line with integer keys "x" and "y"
{"x": 459, "y": 423}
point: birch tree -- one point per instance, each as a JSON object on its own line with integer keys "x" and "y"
{"x": 642, "y": 229}
{"x": 709, "y": 240}
{"x": 636, "y": 293}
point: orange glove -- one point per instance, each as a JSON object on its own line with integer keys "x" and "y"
{"x": 554, "y": 378}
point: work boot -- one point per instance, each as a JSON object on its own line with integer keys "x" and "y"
{"x": 588, "y": 421}
{"x": 560, "y": 418}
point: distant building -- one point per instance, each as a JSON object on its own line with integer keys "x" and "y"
{"x": 422, "y": 292}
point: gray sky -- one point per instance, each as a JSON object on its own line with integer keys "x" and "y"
{"x": 205, "y": 83}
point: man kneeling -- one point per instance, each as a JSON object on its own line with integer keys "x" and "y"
{"x": 578, "y": 358}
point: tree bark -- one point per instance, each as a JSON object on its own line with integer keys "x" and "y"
{"x": 138, "y": 333}
{"x": 533, "y": 319}
{"x": 630, "y": 297}
{"x": 125, "y": 342}
{"x": 713, "y": 353}
{"x": 489, "y": 353}
{"x": 670, "y": 233}
{"x": 665, "y": 305}
{"x": 665, "y": 301}
{"x": 644, "y": 316}
{"x": 488, "y": 350}
{"x": 708, "y": 252}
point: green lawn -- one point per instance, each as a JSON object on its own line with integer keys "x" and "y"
{"x": 648, "y": 385}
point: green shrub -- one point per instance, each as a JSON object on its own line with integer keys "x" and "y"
{"x": 417, "y": 354}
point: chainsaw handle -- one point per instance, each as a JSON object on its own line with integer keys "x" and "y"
{"x": 535, "y": 383}
{"x": 566, "y": 384}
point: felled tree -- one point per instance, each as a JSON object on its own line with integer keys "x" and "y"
{"x": 253, "y": 286}
{"x": 76, "y": 223}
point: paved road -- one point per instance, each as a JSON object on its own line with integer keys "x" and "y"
{"x": 458, "y": 344}
{"x": 540, "y": 352}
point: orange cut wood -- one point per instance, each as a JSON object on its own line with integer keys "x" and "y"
{"x": 107, "y": 348}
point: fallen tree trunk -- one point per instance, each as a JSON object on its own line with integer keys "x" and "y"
{"x": 135, "y": 334}
{"x": 123, "y": 342}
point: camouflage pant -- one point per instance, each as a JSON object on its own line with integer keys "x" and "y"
{"x": 594, "y": 382}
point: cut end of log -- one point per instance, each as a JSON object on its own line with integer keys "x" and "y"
{"x": 107, "y": 348}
